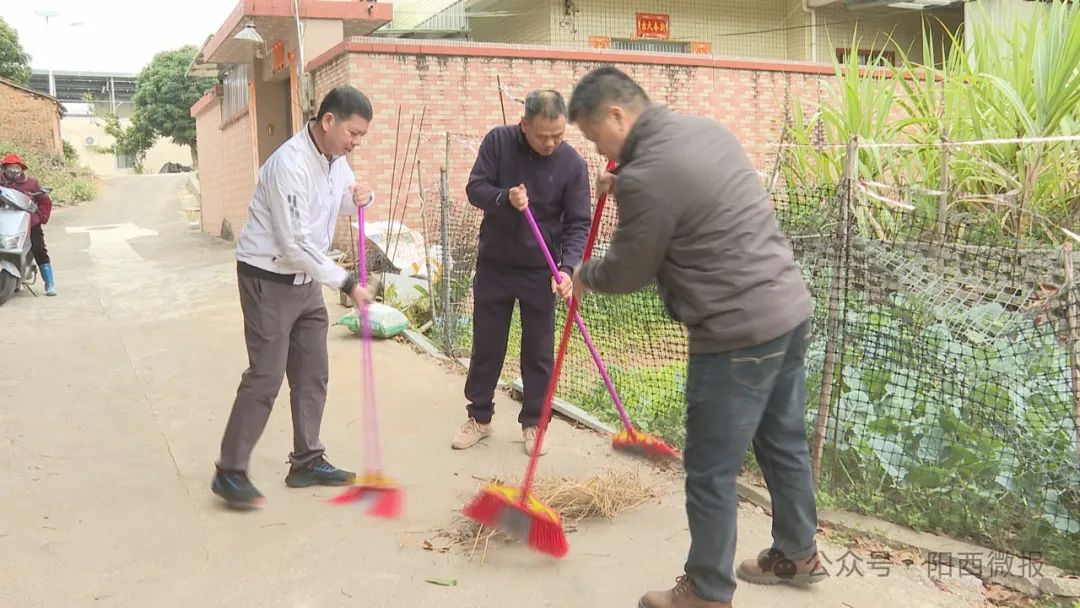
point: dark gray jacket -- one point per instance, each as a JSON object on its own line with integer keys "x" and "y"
{"x": 694, "y": 215}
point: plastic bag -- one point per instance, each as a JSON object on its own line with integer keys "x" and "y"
{"x": 385, "y": 321}
{"x": 407, "y": 246}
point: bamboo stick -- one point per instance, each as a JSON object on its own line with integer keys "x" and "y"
{"x": 828, "y": 370}
{"x": 1071, "y": 321}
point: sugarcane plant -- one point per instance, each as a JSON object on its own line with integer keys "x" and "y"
{"x": 992, "y": 79}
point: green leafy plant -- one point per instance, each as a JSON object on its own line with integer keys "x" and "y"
{"x": 1016, "y": 79}
{"x": 14, "y": 61}
{"x": 982, "y": 446}
{"x": 71, "y": 183}
{"x": 164, "y": 95}
{"x": 71, "y": 155}
{"x": 418, "y": 313}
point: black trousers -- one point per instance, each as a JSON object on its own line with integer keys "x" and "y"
{"x": 37, "y": 246}
{"x": 495, "y": 290}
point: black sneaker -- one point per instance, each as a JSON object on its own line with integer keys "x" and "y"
{"x": 318, "y": 472}
{"x": 236, "y": 489}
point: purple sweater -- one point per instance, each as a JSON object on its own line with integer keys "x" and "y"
{"x": 558, "y": 190}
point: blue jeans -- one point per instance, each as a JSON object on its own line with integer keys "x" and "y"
{"x": 755, "y": 394}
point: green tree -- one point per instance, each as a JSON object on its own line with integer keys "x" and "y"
{"x": 164, "y": 95}
{"x": 135, "y": 140}
{"x": 14, "y": 62}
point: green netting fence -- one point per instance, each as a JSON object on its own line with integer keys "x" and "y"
{"x": 942, "y": 376}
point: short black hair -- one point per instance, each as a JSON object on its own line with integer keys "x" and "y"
{"x": 602, "y": 86}
{"x": 544, "y": 102}
{"x": 344, "y": 102}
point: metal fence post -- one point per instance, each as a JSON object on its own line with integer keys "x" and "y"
{"x": 444, "y": 238}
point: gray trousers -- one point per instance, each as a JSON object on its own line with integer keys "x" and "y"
{"x": 285, "y": 328}
{"x": 757, "y": 395}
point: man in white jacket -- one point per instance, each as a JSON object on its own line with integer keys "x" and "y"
{"x": 281, "y": 266}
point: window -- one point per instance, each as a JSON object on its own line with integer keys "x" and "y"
{"x": 868, "y": 57}
{"x": 125, "y": 161}
{"x": 650, "y": 46}
{"x": 234, "y": 96}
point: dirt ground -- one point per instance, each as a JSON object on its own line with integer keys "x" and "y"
{"x": 113, "y": 397}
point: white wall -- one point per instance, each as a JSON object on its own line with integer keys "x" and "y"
{"x": 76, "y": 129}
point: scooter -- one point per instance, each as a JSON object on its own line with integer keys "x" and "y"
{"x": 17, "y": 266}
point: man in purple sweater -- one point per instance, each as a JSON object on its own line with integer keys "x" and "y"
{"x": 526, "y": 165}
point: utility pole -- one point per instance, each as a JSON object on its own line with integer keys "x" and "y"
{"x": 49, "y": 15}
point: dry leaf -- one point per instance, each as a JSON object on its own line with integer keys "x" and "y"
{"x": 999, "y": 594}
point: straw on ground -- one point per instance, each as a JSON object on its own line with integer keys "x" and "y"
{"x": 602, "y": 496}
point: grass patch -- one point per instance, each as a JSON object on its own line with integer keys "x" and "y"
{"x": 71, "y": 182}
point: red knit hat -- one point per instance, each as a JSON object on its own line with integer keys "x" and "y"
{"x": 13, "y": 159}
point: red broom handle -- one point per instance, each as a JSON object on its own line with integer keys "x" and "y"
{"x": 556, "y": 372}
{"x": 594, "y": 229}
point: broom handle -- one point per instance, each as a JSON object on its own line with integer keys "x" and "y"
{"x": 371, "y": 444}
{"x": 593, "y": 231}
{"x": 581, "y": 325}
{"x": 556, "y": 373}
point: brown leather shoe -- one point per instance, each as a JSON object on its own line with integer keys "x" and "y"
{"x": 682, "y": 595}
{"x": 772, "y": 568}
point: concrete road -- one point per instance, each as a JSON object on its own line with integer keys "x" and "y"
{"x": 113, "y": 397}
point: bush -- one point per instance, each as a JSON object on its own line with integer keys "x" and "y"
{"x": 70, "y": 182}
{"x": 70, "y": 154}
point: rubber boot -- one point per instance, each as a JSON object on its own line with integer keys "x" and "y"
{"x": 50, "y": 282}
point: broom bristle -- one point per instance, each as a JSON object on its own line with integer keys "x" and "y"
{"x": 388, "y": 504}
{"x": 350, "y": 495}
{"x": 488, "y": 505}
{"x": 645, "y": 445}
{"x": 377, "y": 495}
{"x": 535, "y": 523}
{"x": 547, "y": 536}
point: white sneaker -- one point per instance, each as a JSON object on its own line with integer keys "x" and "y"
{"x": 530, "y": 433}
{"x": 470, "y": 434}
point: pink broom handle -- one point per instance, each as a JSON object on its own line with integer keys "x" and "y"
{"x": 371, "y": 423}
{"x": 580, "y": 324}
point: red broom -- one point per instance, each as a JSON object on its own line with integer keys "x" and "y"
{"x": 375, "y": 493}
{"x": 516, "y": 510}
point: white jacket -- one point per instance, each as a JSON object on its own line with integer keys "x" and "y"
{"x": 294, "y": 211}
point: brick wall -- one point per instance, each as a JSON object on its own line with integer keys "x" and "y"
{"x": 335, "y": 73}
{"x": 454, "y": 86}
{"x": 227, "y": 168}
{"x": 30, "y": 120}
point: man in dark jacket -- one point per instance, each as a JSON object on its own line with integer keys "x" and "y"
{"x": 521, "y": 166}
{"x": 694, "y": 216}
{"x": 14, "y": 176}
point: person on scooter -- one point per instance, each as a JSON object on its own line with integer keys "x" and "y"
{"x": 14, "y": 176}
